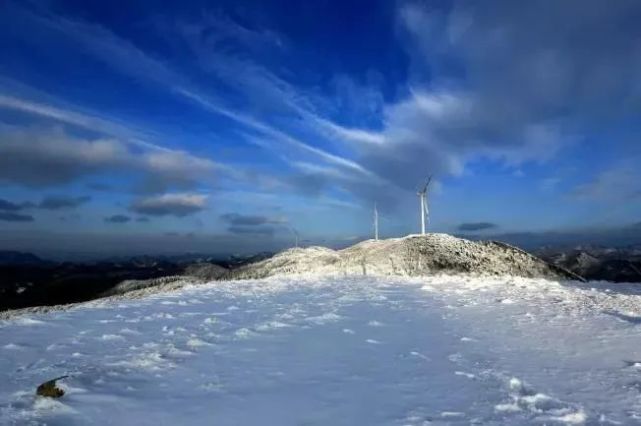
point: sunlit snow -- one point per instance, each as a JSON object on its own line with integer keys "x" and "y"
{"x": 334, "y": 351}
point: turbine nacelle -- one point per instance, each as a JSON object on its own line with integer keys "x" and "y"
{"x": 424, "y": 190}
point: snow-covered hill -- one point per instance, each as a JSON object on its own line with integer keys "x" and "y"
{"x": 339, "y": 351}
{"x": 414, "y": 255}
{"x": 411, "y": 256}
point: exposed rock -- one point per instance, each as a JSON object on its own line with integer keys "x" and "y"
{"x": 414, "y": 255}
{"x": 49, "y": 389}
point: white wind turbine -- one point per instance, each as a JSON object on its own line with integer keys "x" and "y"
{"x": 425, "y": 212}
{"x": 295, "y": 233}
{"x": 375, "y": 222}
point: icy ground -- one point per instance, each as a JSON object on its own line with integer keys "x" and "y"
{"x": 343, "y": 351}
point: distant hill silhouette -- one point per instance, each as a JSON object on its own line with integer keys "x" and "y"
{"x": 9, "y": 257}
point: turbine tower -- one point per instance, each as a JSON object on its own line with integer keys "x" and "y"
{"x": 422, "y": 195}
{"x": 293, "y": 231}
{"x": 375, "y": 222}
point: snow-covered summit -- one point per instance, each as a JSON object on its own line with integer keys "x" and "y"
{"x": 413, "y": 255}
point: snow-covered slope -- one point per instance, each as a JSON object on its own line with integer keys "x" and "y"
{"x": 411, "y": 256}
{"x": 414, "y": 255}
{"x": 339, "y": 351}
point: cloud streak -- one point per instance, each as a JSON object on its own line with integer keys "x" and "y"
{"x": 175, "y": 204}
{"x": 546, "y": 84}
{"x": 15, "y": 217}
{"x": 477, "y": 226}
{"x": 6, "y": 205}
{"x": 62, "y": 202}
{"x": 125, "y": 57}
{"x": 264, "y": 231}
{"x": 83, "y": 120}
{"x": 118, "y": 219}
{"x": 236, "y": 219}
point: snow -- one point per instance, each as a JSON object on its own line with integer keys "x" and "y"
{"x": 413, "y": 255}
{"x": 339, "y": 351}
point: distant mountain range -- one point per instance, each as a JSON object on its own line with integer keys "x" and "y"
{"x": 621, "y": 264}
{"x": 28, "y": 280}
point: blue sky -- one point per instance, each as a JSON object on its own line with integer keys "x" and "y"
{"x": 220, "y": 126}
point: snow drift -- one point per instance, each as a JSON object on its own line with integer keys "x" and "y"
{"x": 364, "y": 350}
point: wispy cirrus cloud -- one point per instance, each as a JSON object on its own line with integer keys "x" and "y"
{"x": 277, "y": 135}
{"x": 84, "y": 120}
{"x": 125, "y": 57}
{"x": 122, "y": 55}
{"x": 161, "y": 167}
{"x": 532, "y": 98}
{"x": 350, "y": 134}
{"x": 48, "y": 155}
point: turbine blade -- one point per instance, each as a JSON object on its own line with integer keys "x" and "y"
{"x": 427, "y": 183}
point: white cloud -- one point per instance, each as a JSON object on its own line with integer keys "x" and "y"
{"x": 521, "y": 103}
{"x": 125, "y": 57}
{"x": 622, "y": 183}
{"x": 351, "y": 134}
{"x": 49, "y": 156}
{"x": 34, "y": 157}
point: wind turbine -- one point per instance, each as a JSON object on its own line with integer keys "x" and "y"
{"x": 375, "y": 222}
{"x": 293, "y": 231}
{"x": 422, "y": 194}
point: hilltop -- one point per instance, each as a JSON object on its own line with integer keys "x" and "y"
{"x": 410, "y": 256}
{"x": 414, "y": 255}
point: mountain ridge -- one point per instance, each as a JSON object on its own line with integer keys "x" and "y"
{"x": 413, "y": 255}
